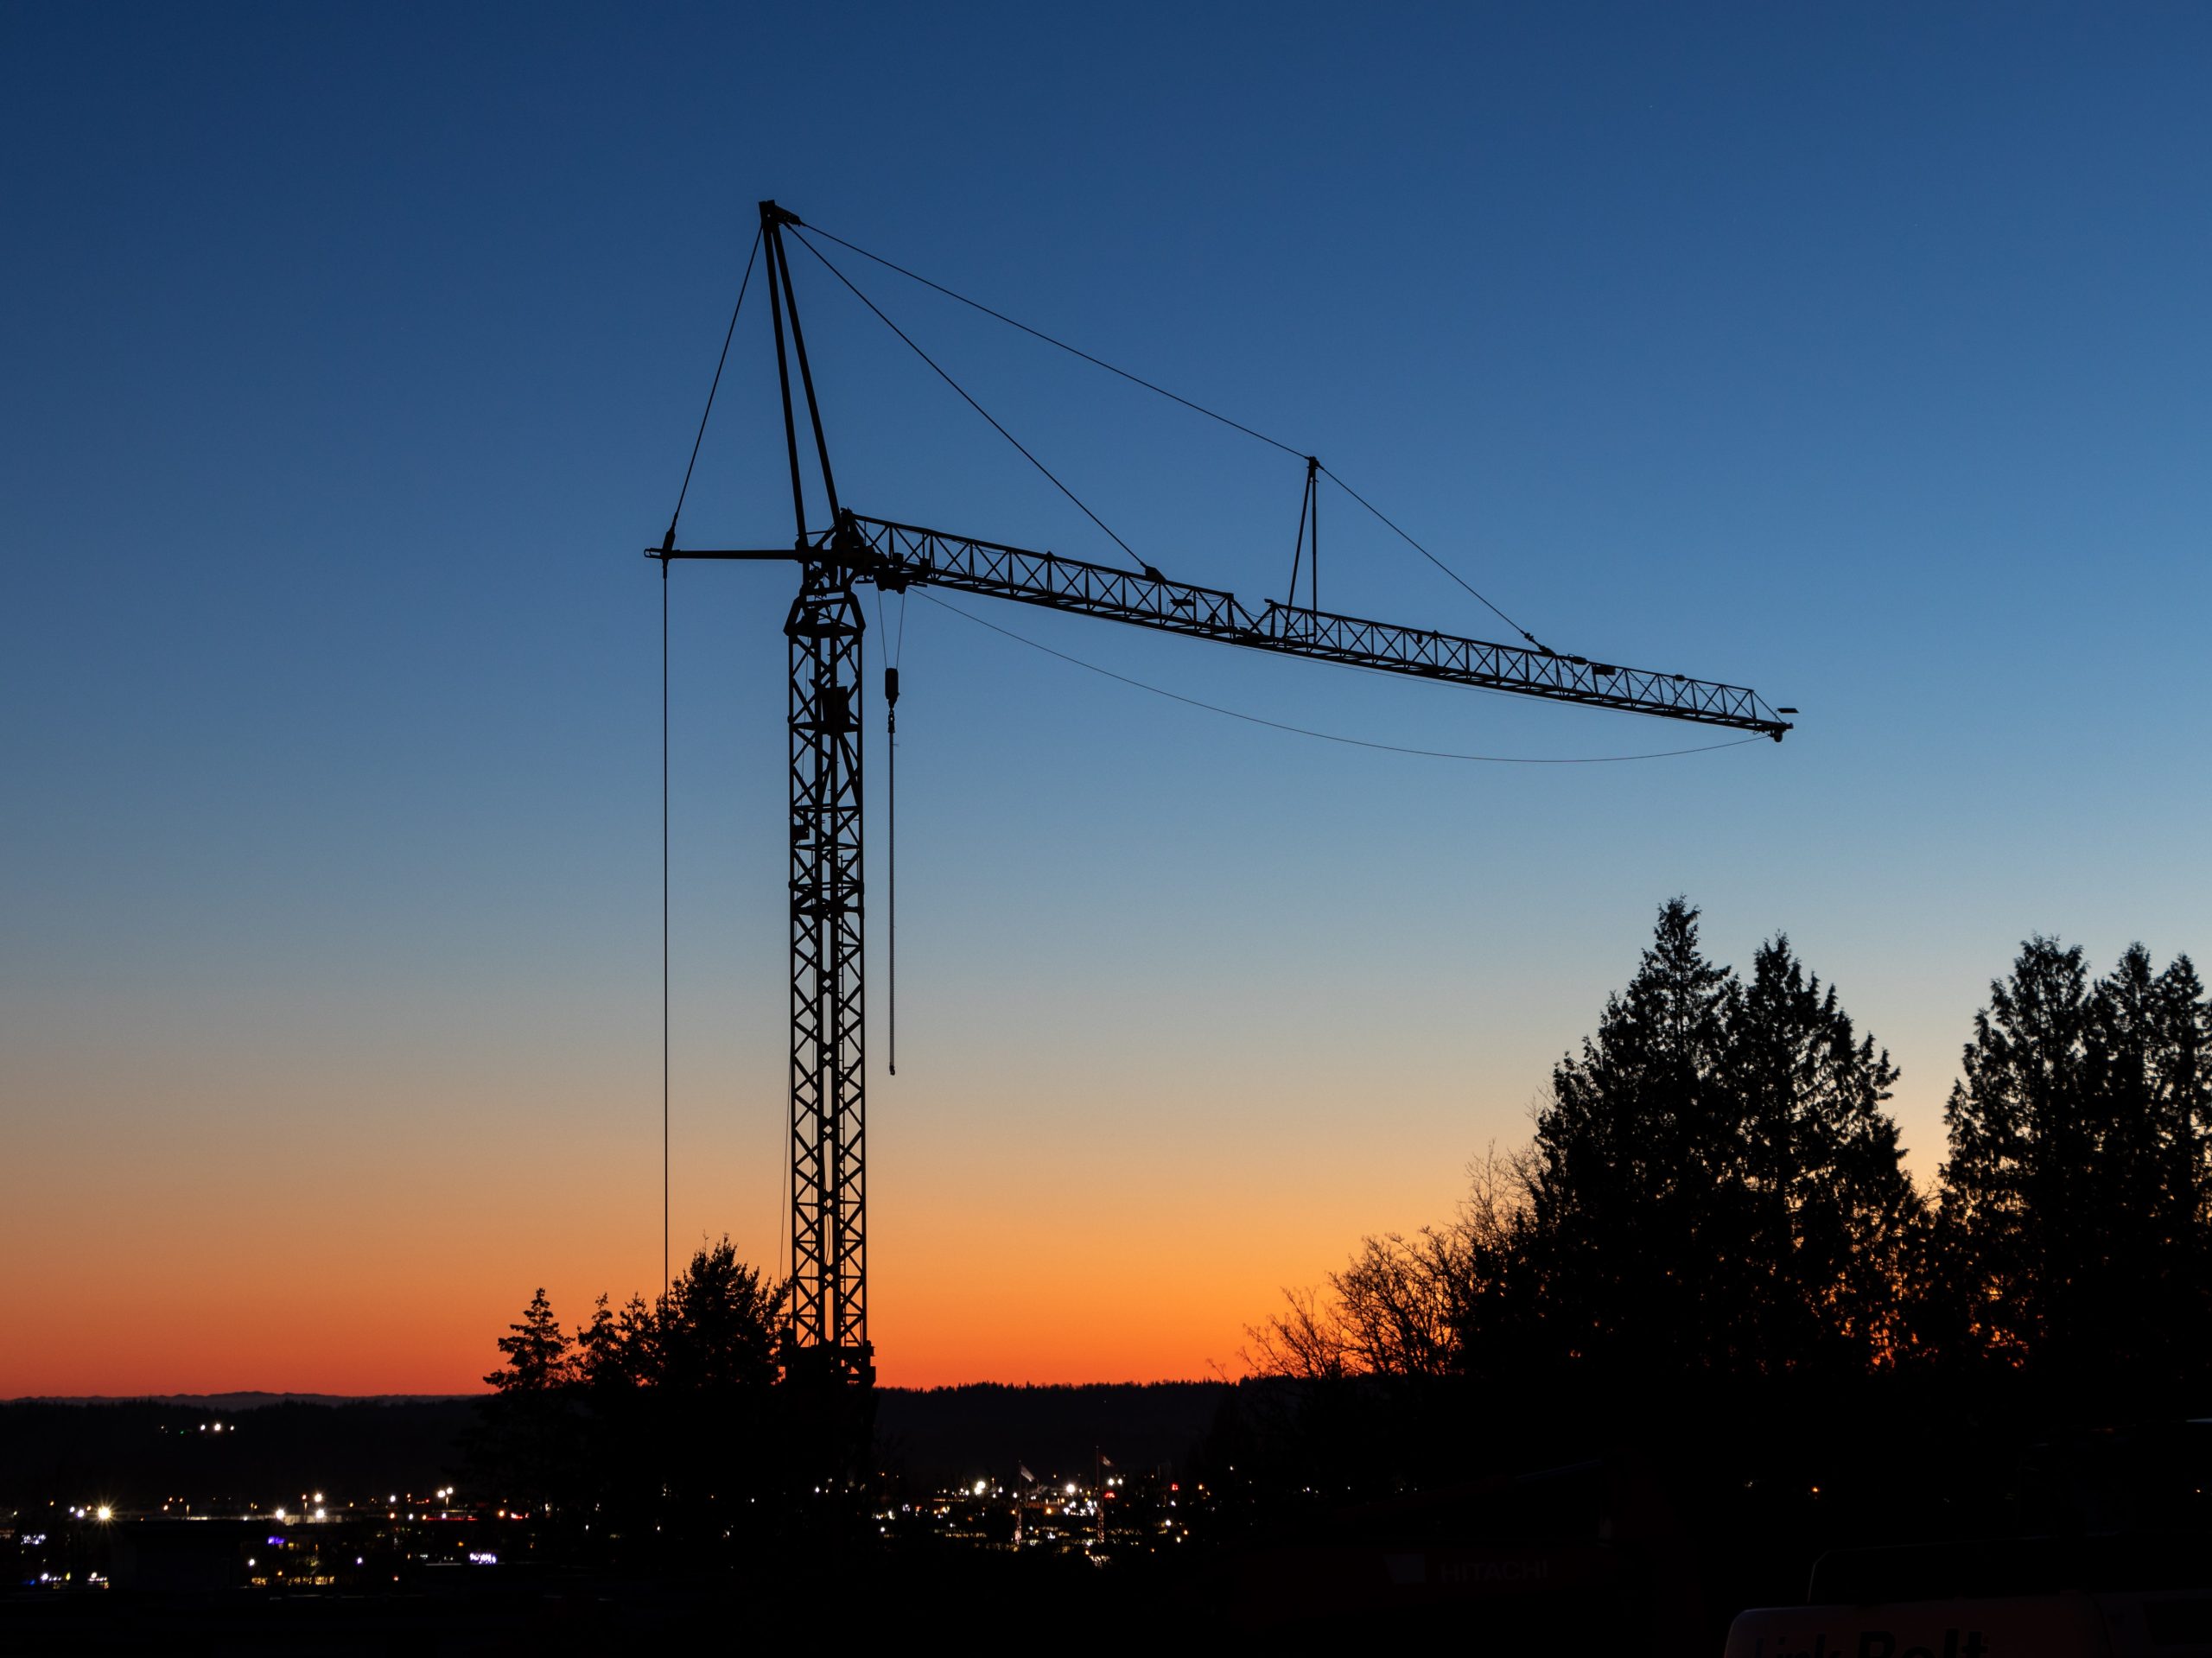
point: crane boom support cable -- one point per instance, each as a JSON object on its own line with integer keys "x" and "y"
{"x": 713, "y": 386}
{"x": 1072, "y": 351}
{"x": 1434, "y": 559}
{"x": 971, "y": 401}
{"x": 1329, "y": 736}
{"x": 1196, "y": 408}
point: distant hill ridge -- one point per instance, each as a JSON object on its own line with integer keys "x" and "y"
{"x": 140, "y": 1449}
{"x": 249, "y": 1401}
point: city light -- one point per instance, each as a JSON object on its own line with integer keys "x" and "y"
{"x": 104, "y": 1512}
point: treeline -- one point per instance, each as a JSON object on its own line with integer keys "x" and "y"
{"x": 654, "y": 1427}
{"x": 1714, "y": 1221}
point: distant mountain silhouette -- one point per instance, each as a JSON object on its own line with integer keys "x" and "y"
{"x": 136, "y": 1452}
{"x": 938, "y": 1436}
{"x": 247, "y": 1401}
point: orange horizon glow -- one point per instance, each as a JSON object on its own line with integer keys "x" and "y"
{"x": 347, "y": 1259}
{"x": 306, "y": 1211}
{"x": 326, "y": 1241}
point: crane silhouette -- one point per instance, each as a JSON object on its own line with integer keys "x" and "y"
{"x": 826, "y": 1339}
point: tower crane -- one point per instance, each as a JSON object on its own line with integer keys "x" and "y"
{"x": 826, "y": 1340}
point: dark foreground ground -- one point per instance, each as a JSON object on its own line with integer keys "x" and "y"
{"x": 959, "y": 1597}
{"x": 1000, "y": 1517}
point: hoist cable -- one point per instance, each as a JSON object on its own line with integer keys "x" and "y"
{"x": 714, "y": 385}
{"x": 890, "y": 895}
{"x": 1330, "y": 736}
{"x": 971, "y": 401}
{"x": 1196, "y": 408}
{"x": 664, "y": 924}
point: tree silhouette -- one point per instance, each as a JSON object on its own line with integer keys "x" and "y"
{"x": 1711, "y": 1260}
{"x": 2147, "y": 1056}
{"x": 2073, "y": 1201}
{"x": 1638, "y": 1226}
{"x": 660, "y": 1420}
{"x": 1833, "y": 1216}
{"x": 539, "y": 1352}
{"x": 715, "y": 1329}
{"x": 1713, "y": 1189}
{"x": 526, "y": 1427}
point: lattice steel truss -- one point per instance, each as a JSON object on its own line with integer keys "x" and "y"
{"x": 905, "y": 554}
{"x": 829, "y": 1306}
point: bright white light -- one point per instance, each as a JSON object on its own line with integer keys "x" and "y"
{"x": 318, "y": 1497}
{"x": 1070, "y": 1488}
{"x": 104, "y": 1512}
{"x": 280, "y": 1516}
{"x": 979, "y": 1487}
{"x": 319, "y": 1514}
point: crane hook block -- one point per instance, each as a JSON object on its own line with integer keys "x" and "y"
{"x": 891, "y": 686}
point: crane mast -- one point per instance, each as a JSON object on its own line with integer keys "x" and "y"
{"x": 826, "y": 1340}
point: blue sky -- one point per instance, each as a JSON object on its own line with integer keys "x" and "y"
{"x": 1856, "y": 354}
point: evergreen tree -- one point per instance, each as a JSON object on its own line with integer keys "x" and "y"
{"x": 525, "y": 1440}
{"x": 537, "y": 1352}
{"x": 1833, "y": 1214}
{"x": 662, "y": 1420}
{"x": 716, "y": 1329}
{"x": 2018, "y": 1157}
{"x": 1628, "y": 1183}
{"x": 2074, "y": 1199}
{"x": 1715, "y": 1187}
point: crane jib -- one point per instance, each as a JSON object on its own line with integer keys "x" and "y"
{"x": 897, "y": 554}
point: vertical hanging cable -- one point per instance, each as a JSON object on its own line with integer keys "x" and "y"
{"x": 896, "y": 643}
{"x": 664, "y": 926}
{"x": 668, "y": 545}
{"x": 891, "y": 833}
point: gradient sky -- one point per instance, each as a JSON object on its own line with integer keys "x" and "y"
{"x": 1860, "y": 354}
